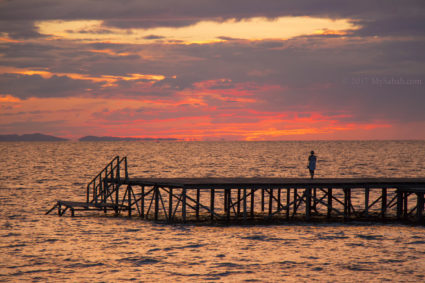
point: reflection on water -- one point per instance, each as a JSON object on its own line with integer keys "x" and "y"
{"x": 49, "y": 248}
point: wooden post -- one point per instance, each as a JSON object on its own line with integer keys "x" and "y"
{"x": 105, "y": 195}
{"x": 184, "y": 205}
{"x": 419, "y": 206}
{"x": 244, "y": 204}
{"x": 262, "y": 200}
{"x": 129, "y": 190}
{"x": 270, "y": 201}
{"x": 118, "y": 175}
{"x": 170, "y": 205}
{"x": 399, "y": 203}
{"x": 349, "y": 202}
{"x": 406, "y": 209}
{"x": 278, "y": 199}
{"x": 117, "y": 188}
{"x": 88, "y": 193}
{"x": 307, "y": 203}
{"x": 366, "y": 201}
{"x": 252, "y": 203}
{"x": 288, "y": 201}
{"x": 94, "y": 191}
{"x": 126, "y": 168}
{"x": 329, "y": 203}
{"x": 346, "y": 207}
{"x": 142, "y": 204}
{"x": 212, "y": 204}
{"x": 314, "y": 199}
{"x": 384, "y": 202}
{"x": 225, "y": 200}
{"x": 295, "y": 201}
{"x": 228, "y": 204}
{"x": 198, "y": 198}
{"x": 239, "y": 203}
{"x": 156, "y": 211}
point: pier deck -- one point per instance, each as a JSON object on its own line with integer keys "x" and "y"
{"x": 251, "y": 199}
{"x": 238, "y": 182}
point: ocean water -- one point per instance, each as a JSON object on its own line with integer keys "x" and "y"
{"x": 39, "y": 248}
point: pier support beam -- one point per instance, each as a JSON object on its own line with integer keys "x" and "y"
{"x": 307, "y": 203}
{"x": 252, "y": 203}
{"x": 198, "y": 199}
{"x": 244, "y": 205}
{"x": 288, "y": 201}
{"x": 270, "y": 201}
{"x": 399, "y": 204}
{"x": 212, "y": 204}
{"x": 419, "y": 206}
{"x": 295, "y": 201}
{"x": 129, "y": 191}
{"x": 262, "y": 200}
{"x": 366, "y": 202}
{"x": 170, "y": 205}
{"x": 156, "y": 211}
{"x": 142, "y": 202}
{"x": 384, "y": 202}
{"x": 329, "y": 212}
{"x": 184, "y": 205}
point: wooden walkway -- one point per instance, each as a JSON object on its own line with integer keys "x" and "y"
{"x": 244, "y": 200}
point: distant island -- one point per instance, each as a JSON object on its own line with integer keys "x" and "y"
{"x": 106, "y": 138}
{"x": 30, "y": 138}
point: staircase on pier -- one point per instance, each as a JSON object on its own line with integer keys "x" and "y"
{"x": 102, "y": 191}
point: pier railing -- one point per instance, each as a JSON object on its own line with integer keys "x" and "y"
{"x": 98, "y": 189}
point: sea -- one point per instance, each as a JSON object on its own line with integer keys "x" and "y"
{"x": 35, "y": 247}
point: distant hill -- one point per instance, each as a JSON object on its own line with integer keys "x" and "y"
{"x": 94, "y": 138}
{"x": 30, "y": 138}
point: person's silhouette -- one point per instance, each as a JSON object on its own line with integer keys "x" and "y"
{"x": 312, "y": 163}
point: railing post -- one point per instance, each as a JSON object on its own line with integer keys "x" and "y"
{"x": 88, "y": 192}
{"x": 126, "y": 168}
{"x": 105, "y": 195}
{"x": 94, "y": 191}
{"x": 118, "y": 176}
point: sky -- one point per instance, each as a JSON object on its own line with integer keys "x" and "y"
{"x": 213, "y": 69}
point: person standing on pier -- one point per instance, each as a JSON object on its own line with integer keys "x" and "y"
{"x": 312, "y": 163}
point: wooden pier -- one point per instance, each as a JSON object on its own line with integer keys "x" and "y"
{"x": 250, "y": 200}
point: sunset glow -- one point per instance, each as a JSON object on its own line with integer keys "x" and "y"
{"x": 202, "y": 32}
{"x": 280, "y": 71}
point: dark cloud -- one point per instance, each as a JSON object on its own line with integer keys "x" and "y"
{"x": 25, "y": 86}
{"x": 152, "y": 36}
{"x": 29, "y": 126}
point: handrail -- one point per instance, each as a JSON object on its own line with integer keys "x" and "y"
{"x": 110, "y": 171}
